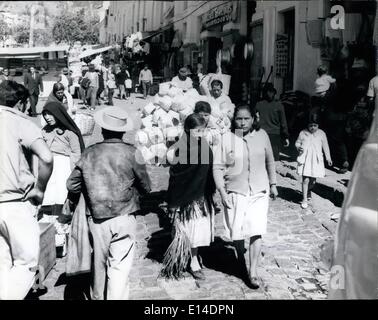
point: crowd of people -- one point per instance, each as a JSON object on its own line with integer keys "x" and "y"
{"x": 97, "y": 188}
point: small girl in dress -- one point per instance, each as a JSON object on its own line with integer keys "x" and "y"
{"x": 311, "y": 144}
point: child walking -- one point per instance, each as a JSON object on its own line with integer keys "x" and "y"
{"x": 311, "y": 144}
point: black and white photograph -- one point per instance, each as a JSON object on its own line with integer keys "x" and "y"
{"x": 214, "y": 151}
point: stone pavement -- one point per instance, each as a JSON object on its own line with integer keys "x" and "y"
{"x": 295, "y": 255}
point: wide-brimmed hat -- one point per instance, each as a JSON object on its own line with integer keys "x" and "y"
{"x": 113, "y": 119}
{"x": 65, "y": 70}
{"x": 183, "y": 72}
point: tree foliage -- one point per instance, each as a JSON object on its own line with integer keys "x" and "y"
{"x": 71, "y": 27}
{"x": 4, "y": 30}
{"x": 42, "y": 37}
{"x": 21, "y": 34}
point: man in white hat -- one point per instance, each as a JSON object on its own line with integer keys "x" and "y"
{"x": 111, "y": 179}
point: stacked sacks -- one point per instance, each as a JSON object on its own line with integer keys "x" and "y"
{"x": 163, "y": 118}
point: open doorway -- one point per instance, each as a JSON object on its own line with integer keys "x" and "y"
{"x": 289, "y": 30}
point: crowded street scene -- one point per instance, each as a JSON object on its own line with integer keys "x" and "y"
{"x": 188, "y": 150}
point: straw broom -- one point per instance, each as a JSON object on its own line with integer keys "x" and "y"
{"x": 178, "y": 254}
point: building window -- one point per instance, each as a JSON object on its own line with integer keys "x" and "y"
{"x": 133, "y": 15}
{"x": 185, "y": 5}
{"x": 144, "y": 24}
{"x": 184, "y": 30}
{"x": 137, "y": 26}
{"x": 161, "y": 12}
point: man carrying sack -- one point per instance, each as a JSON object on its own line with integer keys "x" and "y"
{"x": 111, "y": 179}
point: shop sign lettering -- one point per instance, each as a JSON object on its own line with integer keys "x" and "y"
{"x": 219, "y": 15}
{"x": 338, "y": 20}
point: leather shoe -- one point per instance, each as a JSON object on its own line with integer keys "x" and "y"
{"x": 198, "y": 275}
{"x": 252, "y": 283}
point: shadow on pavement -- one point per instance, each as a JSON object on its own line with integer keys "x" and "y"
{"x": 289, "y": 194}
{"x": 76, "y": 287}
{"x": 158, "y": 244}
{"x": 220, "y": 256}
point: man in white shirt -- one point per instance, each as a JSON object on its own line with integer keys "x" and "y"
{"x": 225, "y": 104}
{"x": 323, "y": 82}
{"x": 373, "y": 88}
{"x": 20, "y": 192}
{"x": 145, "y": 79}
{"x": 93, "y": 86}
{"x": 182, "y": 80}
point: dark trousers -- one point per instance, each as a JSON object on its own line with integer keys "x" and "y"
{"x": 338, "y": 148}
{"x": 275, "y": 141}
{"x": 121, "y": 90}
{"x": 33, "y": 103}
{"x": 91, "y": 96}
{"x": 146, "y": 88}
{"x": 128, "y": 91}
{"x": 110, "y": 97}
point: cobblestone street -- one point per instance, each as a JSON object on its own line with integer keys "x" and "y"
{"x": 295, "y": 256}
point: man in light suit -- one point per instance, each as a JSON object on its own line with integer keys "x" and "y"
{"x": 33, "y": 82}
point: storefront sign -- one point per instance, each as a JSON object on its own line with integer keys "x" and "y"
{"x": 220, "y": 15}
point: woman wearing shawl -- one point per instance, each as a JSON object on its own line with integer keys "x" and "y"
{"x": 60, "y": 94}
{"x": 66, "y": 143}
{"x": 190, "y": 191}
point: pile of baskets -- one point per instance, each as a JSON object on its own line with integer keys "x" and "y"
{"x": 163, "y": 118}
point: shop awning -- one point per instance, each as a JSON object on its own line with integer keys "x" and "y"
{"x": 20, "y": 56}
{"x": 150, "y": 35}
{"x": 90, "y": 52}
{"x": 31, "y": 51}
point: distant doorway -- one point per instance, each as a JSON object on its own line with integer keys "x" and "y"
{"x": 257, "y": 70}
{"x": 289, "y": 30}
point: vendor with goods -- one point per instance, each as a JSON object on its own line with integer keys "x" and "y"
{"x": 163, "y": 117}
{"x": 182, "y": 80}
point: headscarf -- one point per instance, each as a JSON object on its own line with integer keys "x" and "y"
{"x": 52, "y": 96}
{"x": 64, "y": 119}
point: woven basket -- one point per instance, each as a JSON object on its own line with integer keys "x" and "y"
{"x": 86, "y": 123}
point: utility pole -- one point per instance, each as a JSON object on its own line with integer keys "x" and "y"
{"x": 31, "y": 32}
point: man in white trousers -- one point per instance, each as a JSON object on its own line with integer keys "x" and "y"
{"x": 20, "y": 192}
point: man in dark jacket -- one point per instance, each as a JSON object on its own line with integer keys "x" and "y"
{"x": 111, "y": 178}
{"x": 33, "y": 82}
{"x": 273, "y": 120}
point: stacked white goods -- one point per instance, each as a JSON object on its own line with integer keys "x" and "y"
{"x": 163, "y": 118}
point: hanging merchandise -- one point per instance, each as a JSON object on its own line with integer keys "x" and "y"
{"x": 225, "y": 56}
{"x": 248, "y": 50}
{"x": 282, "y": 55}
